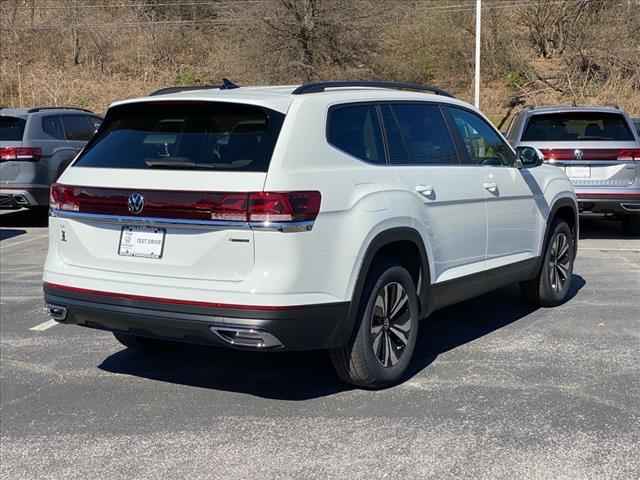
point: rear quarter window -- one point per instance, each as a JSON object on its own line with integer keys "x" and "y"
{"x": 52, "y": 127}
{"x": 355, "y": 130}
{"x": 11, "y": 129}
{"x": 78, "y": 127}
{"x": 185, "y": 135}
{"x": 577, "y": 126}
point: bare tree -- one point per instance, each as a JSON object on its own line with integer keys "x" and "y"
{"x": 313, "y": 34}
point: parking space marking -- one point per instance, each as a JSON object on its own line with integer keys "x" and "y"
{"x": 605, "y": 249}
{"x": 44, "y": 326}
{"x": 22, "y": 242}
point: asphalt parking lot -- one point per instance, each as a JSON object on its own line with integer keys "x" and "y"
{"x": 497, "y": 391}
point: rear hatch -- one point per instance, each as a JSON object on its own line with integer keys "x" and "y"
{"x": 596, "y": 149}
{"x": 13, "y": 152}
{"x": 161, "y": 190}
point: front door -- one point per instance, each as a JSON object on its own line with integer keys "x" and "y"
{"x": 512, "y": 212}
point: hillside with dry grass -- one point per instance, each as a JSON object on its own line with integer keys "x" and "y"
{"x": 91, "y": 52}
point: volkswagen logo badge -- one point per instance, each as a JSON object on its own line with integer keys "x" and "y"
{"x": 578, "y": 154}
{"x": 135, "y": 203}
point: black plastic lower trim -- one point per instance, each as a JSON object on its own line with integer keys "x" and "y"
{"x": 307, "y": 327}
{"x": 470, "y": 286}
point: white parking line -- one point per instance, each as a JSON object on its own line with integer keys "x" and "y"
{"x": 4, "y": 246}
{"x": 44, "y": 326}
{"x": 605, "y": 249}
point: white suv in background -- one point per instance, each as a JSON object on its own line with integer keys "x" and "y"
{"x": 332, "y": 215}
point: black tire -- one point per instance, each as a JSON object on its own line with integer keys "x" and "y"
{"x": 631, "y": 224}
{"x": 142, "y": 344}
{"x": 552, "y": 285}
{"x": 393, "y": 335}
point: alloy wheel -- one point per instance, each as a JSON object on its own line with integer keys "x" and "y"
{"x": 390, "y": 324}
{"x": 559, "y": 262}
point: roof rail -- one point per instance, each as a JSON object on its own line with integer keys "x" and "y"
{"x": 567, "y": 105}
{"x": 315, "y": 87}
{"x": 226, "y": 85}
{"x": 168, "y": 90}
{"x": 39, "y": 109}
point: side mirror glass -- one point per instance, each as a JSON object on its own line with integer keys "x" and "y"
{"x": 530, "y": 156}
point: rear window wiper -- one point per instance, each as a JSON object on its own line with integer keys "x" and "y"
{"x": 178, "y": 165}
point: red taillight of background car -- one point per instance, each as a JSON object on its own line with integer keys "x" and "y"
{"x": 222, "y": 206}
{"x": 22, "y": 154}
{"x": 592, "y": 154}
{"x": 629, "y": 154}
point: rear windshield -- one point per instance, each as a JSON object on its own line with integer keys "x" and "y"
{"x": 185, "y": 136}
{"x": 584, "y": 126}
{"x": 11, "y": 129}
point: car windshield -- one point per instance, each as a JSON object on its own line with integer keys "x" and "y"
{"x": 577, "y": 126}
{"x": 185, "y": 136}
{"x": 11, "y": 129}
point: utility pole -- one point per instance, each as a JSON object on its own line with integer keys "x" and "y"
{"x": 477, "y": 72}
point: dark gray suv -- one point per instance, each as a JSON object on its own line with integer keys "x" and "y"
{"x": 597, "y": 147}
{"x": 36, "y": 145}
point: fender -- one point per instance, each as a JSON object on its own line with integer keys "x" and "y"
{"x": 557, "y": 205}
{"x": 347, "y": 329}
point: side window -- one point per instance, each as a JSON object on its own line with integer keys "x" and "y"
{"x": 418, "y": 135}
{"x": 483, "y": 144}
{"x": 52, "y": 127}
{"x": 355, "y": 130}
{"x": 78, "y": 127}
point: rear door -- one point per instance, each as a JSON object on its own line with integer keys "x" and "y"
{"x": 424, "y": 156}
{"x": 152, "y": 184}
{"x": 596, "y": 149}
{"x": 510, "y": 192}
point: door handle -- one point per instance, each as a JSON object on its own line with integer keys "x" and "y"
{"x": 491, "y": 187}
{"x": 426, "y": 191}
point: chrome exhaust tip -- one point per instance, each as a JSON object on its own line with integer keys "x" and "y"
{"x": 21, "y": 200}
{"x": 246, "y": 337}
{"x": 631, "y": 207}
{"x": 56, "y": 312}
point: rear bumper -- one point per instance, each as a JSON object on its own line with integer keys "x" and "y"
{"x": 303, "y": 327}
{"x": 12, "y": 197}
{"x": 610, "y": 201}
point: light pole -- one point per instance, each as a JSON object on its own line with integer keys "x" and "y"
{"x": 477, "y": 72}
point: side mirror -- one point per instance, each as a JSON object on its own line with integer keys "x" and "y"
{"x": 529, "y": 157}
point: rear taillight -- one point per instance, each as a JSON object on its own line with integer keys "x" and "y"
{"x": 629, "y": 154}
{"x": 592, "y": 154}
{"x": 257, "y": 207}
{"x": 283, "y": 206}
{"x": 62, "y": 197}
{"x": 228, "y": 206}
{"x": 25, "y": 154}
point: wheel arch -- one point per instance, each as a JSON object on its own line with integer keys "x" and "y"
{"x": 403, "y": 243}
{"x": 565, "y": 208}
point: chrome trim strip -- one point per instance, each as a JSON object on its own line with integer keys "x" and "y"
{"x": 286, "y": 227}
{"x": 588, "y": 163}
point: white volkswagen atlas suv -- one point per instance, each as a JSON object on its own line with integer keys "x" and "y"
{"x": 332, "y": 215}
